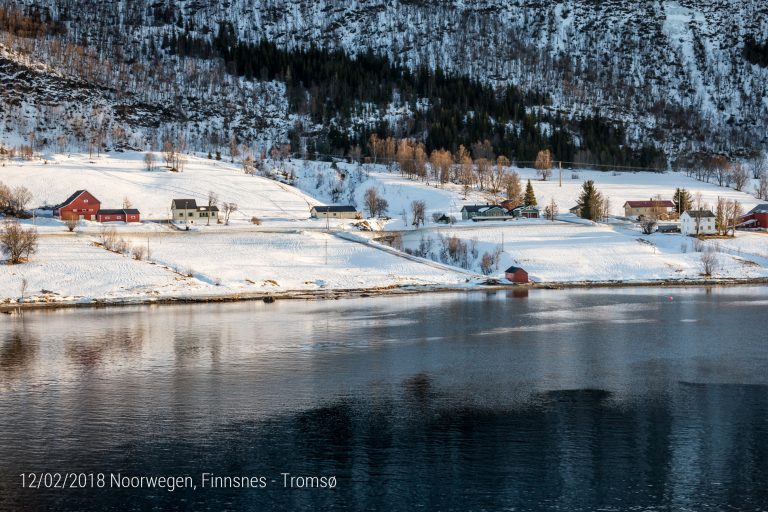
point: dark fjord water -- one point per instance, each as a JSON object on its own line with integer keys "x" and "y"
{"x": 560, "y": 400}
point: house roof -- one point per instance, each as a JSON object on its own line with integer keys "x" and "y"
{"x": 184, "y": 204}
{"x": 761, "y": 208}
{"x": 513, "y": 269}
{"x": 71, "y": 198}
{"x": 526, "y": 207}
{"x": 121, "y": 211}
{"x": 701, "y": 214}
{"x": 331, "y": 209}
{"x": 650, "y": 204}
{"x": 479, "y": 208}
{"x": 207, "y": 208}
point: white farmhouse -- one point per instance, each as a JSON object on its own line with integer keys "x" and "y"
{"x": 697, "y": 222}
{"x": 188, "y": 212}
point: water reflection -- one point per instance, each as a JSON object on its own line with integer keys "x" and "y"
{"x": 17, "y": 350}
{"x": 561, "y": 401}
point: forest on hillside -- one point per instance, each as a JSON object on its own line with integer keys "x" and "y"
{"x": 447, "y": 111}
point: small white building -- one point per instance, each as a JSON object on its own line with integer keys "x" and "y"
{"x": 335, "y": 212}
{"x": 187, "y": 211}
{"x": 698, "y": 222}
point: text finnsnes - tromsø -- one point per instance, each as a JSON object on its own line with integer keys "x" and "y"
{"x": 171, "y": 483}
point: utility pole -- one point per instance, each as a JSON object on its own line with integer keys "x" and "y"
{"x": 561, "y": 174}
{"x": 502, "y": 241}
{"x": 326, "y": 250}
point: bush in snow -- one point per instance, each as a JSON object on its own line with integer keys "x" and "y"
{"x": 71, "y": 224}
{"x": 486, "y": 263}
{"x": 454, "y": 251}
{"x": 17, "y": 242}
{"x": 709, "y": 261}
{"x": 139, "y": 252}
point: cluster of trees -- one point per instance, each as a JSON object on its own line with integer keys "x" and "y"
{"x": 453, "y": 250}
{"x": 754, "y": 52}
{"x": 32, "y": 24}
{"x": 14, "y": 201}
{"x": 375, "y": 204}
{"x": 475, "y": 167}
{"x": 727, "y": 215}
{"x": 112, "y": 242}
{"x": 173, "y": 152}
{"x": 592, "y": 204}
{"x": 712, "y": 168}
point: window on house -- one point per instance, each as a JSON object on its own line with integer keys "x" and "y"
{"x": 191, "y": 213}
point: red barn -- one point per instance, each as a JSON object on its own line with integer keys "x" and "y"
{"x": 756, "y": 218}
{"x": 124, "y": 215}
{"x": 79, "y": 206}
{"x": 516, "y": 275}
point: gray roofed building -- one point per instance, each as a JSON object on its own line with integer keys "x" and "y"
{"x": 188, "y": 211}
{"x": 700, "y": 214}
{"x": 761, "y": 208}
{"x": 69, "y": 199}
{"x": 334, "y": 212}
{"x": 329, "y": 209}
{"x": 183, "y": 204}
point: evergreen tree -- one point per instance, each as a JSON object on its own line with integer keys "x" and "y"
{"x": 590, "y": 202}
{"x": 530, "y": 197}
{"x": 683, "y": 201}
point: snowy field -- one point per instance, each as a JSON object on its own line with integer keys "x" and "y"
{"x": 74, "y": 270}
{"x": 566, "y": 252}
{"x": 70, "y": 268}
{"x": 301, "y": 261}
{"x": 288, "y": 251}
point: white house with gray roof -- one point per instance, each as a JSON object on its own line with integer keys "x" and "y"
{"x": 698, "y": 222}
{"x": 188, "y": 212}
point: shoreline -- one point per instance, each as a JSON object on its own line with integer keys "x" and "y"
{"x": 337, "y": 294}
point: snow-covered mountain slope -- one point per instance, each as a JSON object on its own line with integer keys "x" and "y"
{"x": 47, "y": 107}
{"x": 665, "y": 59}
{"x": 673, "y": 71}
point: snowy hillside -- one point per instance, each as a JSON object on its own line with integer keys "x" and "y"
{"x": 673, "y": 73}
{"x": 52, "y": 106}
{"x": 116, "y": 176}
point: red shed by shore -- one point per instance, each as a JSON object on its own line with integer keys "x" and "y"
{"x": 81, "y": 205}
{"x": 516, "y": 275}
